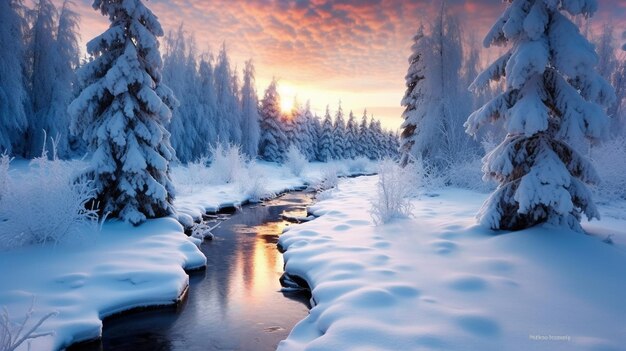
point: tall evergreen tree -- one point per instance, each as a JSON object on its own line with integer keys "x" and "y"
{"x": 351, "y": 137}
{"x": 250, "y": 112}
{"x": 553, "y": 95}
{"x": 229, "y": 114}
{"x": 362, "y": 146}
{"x": 273, "y": 141}
{"x": 121, "y": 112}
{"x": 42, "y": 54}
{"x": 413, "y": 138}
{"x": 339, "y": 135}
{"x": 66, "y": 82}
{"x": 325, "y": 144}
{"x": 208, "y": 98}
{"x": 306, "y": 132}
{"x": 13, "y": 92}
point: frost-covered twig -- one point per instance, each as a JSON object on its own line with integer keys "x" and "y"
{"x": 12, "y": 334}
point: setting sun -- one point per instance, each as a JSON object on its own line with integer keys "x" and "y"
{"x": 287, "y": 97}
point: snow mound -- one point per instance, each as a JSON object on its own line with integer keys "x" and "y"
{"x": 123, "y": 268}
{"x": 437, "y": 281}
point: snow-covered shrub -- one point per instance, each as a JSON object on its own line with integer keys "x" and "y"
{"x": 295, "y": 161}
{"x": 468, "y": 175}
{"x": 360, "y": 164}
{"x": 253, "y": 185}
{"x": 228, "y": 163}
{"x": 330, "y": 177}
{"x": 609, "y": 160}
{"x": 393, "y": 192}
{"x": 193, "y": 176}
{"x": 48, "y": 205}
{"x": 13, "y": 334}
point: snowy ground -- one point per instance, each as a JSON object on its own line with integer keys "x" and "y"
{"x": 123, "y": 266}
{"x": 437, "y": 281}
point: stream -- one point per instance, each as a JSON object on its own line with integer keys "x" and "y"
{"x": 237, "y": 303}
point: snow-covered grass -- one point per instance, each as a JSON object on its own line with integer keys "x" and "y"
{"x": 46, "y": 206}
{"x": 393, "y": 191}
{"x": 437, "y": 281}
{"x": 295, "y": 161}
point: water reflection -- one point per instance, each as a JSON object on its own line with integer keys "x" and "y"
{"x": 236, "y": 304}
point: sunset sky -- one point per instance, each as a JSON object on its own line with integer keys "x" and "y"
{"x": 353, "y": 50}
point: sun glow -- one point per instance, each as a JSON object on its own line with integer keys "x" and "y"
{"x": 287, "y": 97}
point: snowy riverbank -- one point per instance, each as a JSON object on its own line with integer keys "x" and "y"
{"x": 438, "y": 281}
{"x": 122, "y": 267}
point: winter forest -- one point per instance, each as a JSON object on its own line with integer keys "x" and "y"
{"x": 143, "y": 169}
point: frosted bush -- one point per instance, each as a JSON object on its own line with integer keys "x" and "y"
{"x": 195, "y": 175}
{"x": 228, "y": 163}
{"x": 295, "y": 161}
{"x": 360, "y": 164}
{"x": 609, "y": 160}
{"x": 469, "y": 175}
{"x": 13, "y": 334}
{"x": 46, "y": 206}
{"x": 253, "y": 185}
{"x": 330, "y": 178}
{"x": 393, "y": 192}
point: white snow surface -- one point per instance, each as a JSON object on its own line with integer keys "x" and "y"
{"x": 438, "y": 281}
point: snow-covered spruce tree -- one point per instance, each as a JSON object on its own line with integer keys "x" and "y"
{"x": 325, "y": 141}
{"x": 361, "y": 147}
{"x": 352, "y": 136}
{"x": 208, "y": 99}
{"x": 288, "y": 123}
{"x": 189, "y": 127}
{"x": 304, "y": 131}
{"x": 121, "y": 112}
{"x": 13, "y": 93}
{"x": 339, "y": 135}
{"x": 250, "y": 112}
{"x": 54, "y": 55}
{"x": 414, "y": 113}
{"x": 553, "y": 94}
{"x": 229, "y": 113}
{"x": 435, "y": 108}
{"x": 42, "y": 55}
{"x": 273, "y": 141}
{"x": 66, "y": 82}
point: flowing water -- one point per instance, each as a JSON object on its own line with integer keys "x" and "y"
{"x": 237, "y": 303}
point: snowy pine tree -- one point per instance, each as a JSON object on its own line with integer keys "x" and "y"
{"x": 307, "y": 134}
{"x": 413, "y": 137}
{"x": 121, "y": 112}
{"x": 250, "y": 112}
{"x": 435, "y": 106}
{"x": 43, "y": 57}
{"x": 325, "y": 141}
{"x": 362, "y": 146}
{"x": 553, "y": 95}
{"x": 273, "y": 141}
{"x": 229, "y": 112}
{"x": 13, "y": 93}
{"x": 351, "y": 137}
{"x": 208, "y": 99}
{"x": 65, "y": 84}
{"x": 339, "y": 135}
